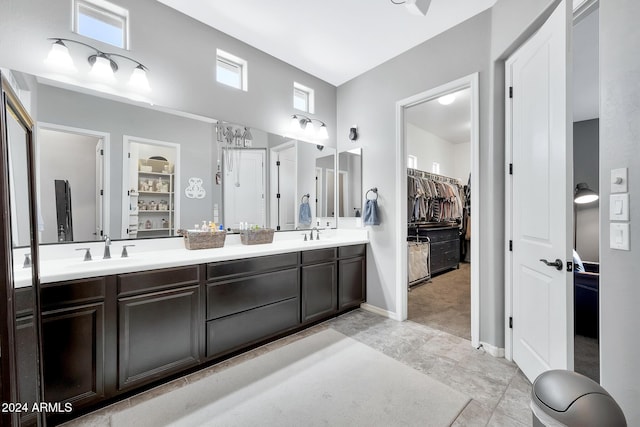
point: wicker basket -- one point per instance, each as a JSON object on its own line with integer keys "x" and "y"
{"x": 256, "y": 237}
{"x": 203, "y": 239}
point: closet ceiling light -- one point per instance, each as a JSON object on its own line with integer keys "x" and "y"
{"x": 447, "y": 99}
{"x": 303, "y": 125}
{"x": 103, "y": 65}
{"x": 583, "y": 194}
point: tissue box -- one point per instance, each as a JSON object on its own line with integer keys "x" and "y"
{"x": 203, "y": 239}
{"x": 256, "y": 237}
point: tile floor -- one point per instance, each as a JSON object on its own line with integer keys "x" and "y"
{"x": 499, "y": 391}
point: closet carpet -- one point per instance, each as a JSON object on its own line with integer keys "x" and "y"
{"x": 444, "y": 303}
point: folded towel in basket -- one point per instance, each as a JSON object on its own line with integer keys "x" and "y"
{"x": 371, "y": 213}
{"x": 304, "y": 214}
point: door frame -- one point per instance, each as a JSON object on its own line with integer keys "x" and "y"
{"x": 274, "y": 156}
{"x": 106, "y": 163}
{"x": 402, "y": 294}
{"x": 177, "y": 190}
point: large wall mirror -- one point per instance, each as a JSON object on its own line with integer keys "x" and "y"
{"x": 127, "y": 170}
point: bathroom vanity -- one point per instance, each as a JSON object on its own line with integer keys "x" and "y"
{"x": 124, "y": 326}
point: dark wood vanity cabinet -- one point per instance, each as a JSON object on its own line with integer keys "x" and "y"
{"x": 351, "y": 276}
{"x": 319, "y": 284}
{"x": 247, "y": 301}
{"x": 106, "y": 336}
{"x": 158, "y": 324}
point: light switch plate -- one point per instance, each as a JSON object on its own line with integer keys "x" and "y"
{"x": 619, "y": 207}
{"x": 619, "y": 180}
{"x": 619, "y": 236}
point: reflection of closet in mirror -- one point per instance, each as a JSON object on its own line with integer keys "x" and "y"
{"x": 151, "y": 205}
{"x": 71, "y": 167}
{"x": 243, "y": 187}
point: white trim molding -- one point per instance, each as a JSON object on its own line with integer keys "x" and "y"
{"x": 380, "y": 311}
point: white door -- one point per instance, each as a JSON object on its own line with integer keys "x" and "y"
{"x": 540, "y": 138}
{"x": 244, "y": 189}
{"x": 99, "y": 188}
{"x": 288, "y": 180}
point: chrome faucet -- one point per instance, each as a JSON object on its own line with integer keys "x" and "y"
{"x": 107, "y": 251}
{"x": 317, "y": 235}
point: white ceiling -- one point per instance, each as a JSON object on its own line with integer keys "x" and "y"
{"x": 335, "y": 40}
{"x": 450, "y": 122}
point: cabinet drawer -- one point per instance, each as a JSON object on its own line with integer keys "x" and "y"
{"x": 146, "y": 281}
{"x": 73, "y": 292}
{"x": 319, "y": 255}
{"x": 227, "y": 269}
{"x": 230, "y": 297}
{"x": 353, "y": 250}
{"x": 237, "y": 331}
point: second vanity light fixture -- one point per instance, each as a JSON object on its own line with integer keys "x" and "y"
{"x": 303, "y": 125}
{"x": 103, "y": 65}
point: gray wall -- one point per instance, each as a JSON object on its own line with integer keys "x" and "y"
{"x": 585, "y": 169}
{"x": 369, "y": 101}
{"x": 63, "y": 107}
{"x": 180, "y": 54}
{"x": 619, "y": 148}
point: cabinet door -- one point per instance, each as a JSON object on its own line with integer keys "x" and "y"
{"x": 351, "y": 282}
{"x": 27, "y": 366}
{"x": 158, "y": 335}
{"x": 73, "y": 354}
{"x": 319, "y": 291}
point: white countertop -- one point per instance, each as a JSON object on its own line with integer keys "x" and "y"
{"x": 62, "y": 262}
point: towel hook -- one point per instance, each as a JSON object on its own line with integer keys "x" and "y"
{"x": 303, "y": 196}
{"x": 374, "y": 190}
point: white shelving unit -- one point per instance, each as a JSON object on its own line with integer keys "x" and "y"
{"x": 151, "y": 207}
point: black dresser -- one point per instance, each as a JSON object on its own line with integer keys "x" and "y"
{"x": 445, "y": 246}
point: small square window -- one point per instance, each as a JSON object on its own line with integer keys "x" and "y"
{"x": 231, "y": 70}
{"x": 412, "y": 162}
{"x": 102, "y": 21}
{"x": 303, "y": 98}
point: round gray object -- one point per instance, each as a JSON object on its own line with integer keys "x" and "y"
{"x": 575, "y": 400}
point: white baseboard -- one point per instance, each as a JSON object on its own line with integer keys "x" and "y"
{"x": 492, "y": 349}
{"x": 380, "y": 311}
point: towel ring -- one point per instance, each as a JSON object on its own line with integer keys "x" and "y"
{"x": 303, "y": 196}
{"x": 374, "y": 190}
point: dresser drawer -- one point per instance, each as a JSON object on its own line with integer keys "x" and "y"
{"x": 72, "y": 292}
{"x": 441, "y": 234}
{"x": 318, "y": 255}
{"x": 154, "y": 280}
{"x": 351, "y": 251}
{"x": 234, "y": 296}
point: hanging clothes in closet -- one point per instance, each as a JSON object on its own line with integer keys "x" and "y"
{"x": 432, "y": 199}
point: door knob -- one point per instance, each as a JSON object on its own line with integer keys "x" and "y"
{"x": 557, "y": 263}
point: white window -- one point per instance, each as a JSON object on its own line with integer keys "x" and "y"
{"x": 231, "y": 70}
{"x": 102, "y": 21}
{"x": 303, "y": 98}
{"x": 412, "y": 162}
{"x": 435, "y": 167}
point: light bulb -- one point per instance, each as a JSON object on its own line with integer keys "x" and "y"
{"x": 323, "y": 133}
{"x": 447, "y": 99}
{"x": 101, "y": 69}
{"x": 138, "y": 79}
{"x": 59, "y": 58}
{"x": 295, "y": 124}
{"x": 310, "y": 129}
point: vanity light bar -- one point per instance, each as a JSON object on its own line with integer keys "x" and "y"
{"x": 301, "y": 124}
{"x": 103, "y": 66}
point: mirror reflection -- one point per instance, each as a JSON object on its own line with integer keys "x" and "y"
{"x": 18, "y": 182}
{"x": 350, "y": 184}
{"x": 105, "y": 167}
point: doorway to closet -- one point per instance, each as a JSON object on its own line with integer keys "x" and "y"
{"x": 438, "y": 139}
{"x": 439, "y": 145}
